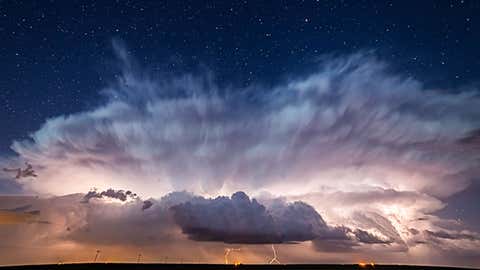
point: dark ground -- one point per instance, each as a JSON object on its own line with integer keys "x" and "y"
{"x": 109, "y": 266}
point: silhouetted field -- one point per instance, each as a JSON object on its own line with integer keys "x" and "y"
{"x": 111, "y": 266}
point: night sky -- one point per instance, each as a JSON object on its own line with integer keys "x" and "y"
{"x": 55, "y": 56}
{"x": 350, "y": 128}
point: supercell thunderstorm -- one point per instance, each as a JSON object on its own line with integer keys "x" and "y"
{"x": 351, "y": 158}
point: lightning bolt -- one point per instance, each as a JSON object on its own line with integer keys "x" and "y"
{"x": 227, "y": 251}
{"x": 274, "y": 259}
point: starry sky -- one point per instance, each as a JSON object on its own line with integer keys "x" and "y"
{"x": 351, "y": 128}
{"x": 56, "y": 56}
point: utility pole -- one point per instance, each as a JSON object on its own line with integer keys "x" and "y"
{"x": 96, "y": 255}
{"x": 139, "y": 257}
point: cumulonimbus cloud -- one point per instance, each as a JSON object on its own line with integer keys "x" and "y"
{"x": 352, "y": 121}
{"x": 367, "y": 147}
{"x": 238, "y": 219}
{"x": 178, "y": 215}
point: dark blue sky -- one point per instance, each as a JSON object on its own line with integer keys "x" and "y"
{"x": 56, "y": 55}
{"x": 359, "y": 142}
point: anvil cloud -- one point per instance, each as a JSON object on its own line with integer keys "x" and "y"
{"x": 374, "y": 152}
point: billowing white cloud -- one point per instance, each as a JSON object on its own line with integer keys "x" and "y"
{"x": 352, "y": 123}
{"x": 368, "y": 148}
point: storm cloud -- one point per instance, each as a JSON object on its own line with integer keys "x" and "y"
{"x": 180, "y": 217}
{"x": 369, "y": 152}
{"x": 352, "y": 120}
{"x": 241, "y": 220}
{"x": 454, "y": 235}
{"x": 146, "y": 204}
{"x": 236, "y": 219}
{"x": 110, "y": 193}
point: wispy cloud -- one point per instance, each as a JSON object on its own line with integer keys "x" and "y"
{"x": 368, "y": 148}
